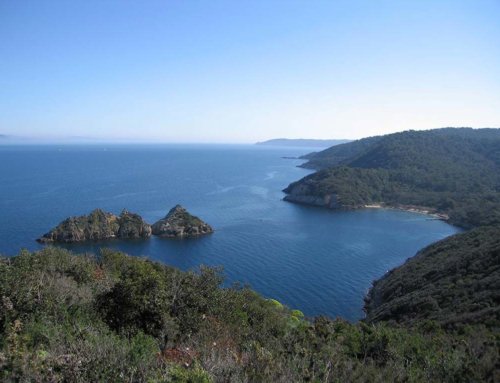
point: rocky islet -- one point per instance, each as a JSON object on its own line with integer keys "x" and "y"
{"x": 100, "y": 225}
{"x": 179, "y": 223}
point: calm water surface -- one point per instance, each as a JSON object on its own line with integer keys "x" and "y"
{"x": 318, "y": 261}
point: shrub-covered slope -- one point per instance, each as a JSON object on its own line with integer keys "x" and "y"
{"x": 455, "y": 172}
{"x": 454, "y": 282}
{"x": 337, "y": 154}
{"x": 114, "y": 318}
{"x": 410, "y": 147}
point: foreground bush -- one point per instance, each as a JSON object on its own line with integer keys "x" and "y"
{"x": 115, "y": 318}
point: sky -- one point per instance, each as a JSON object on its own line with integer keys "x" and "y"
{"x": 245, "y": 71}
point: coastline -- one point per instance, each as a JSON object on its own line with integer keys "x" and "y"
{"x": 411, "y": 209}
{"x": 331, "y": 203}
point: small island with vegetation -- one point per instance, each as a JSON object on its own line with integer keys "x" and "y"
{"x": 179, "y": 223}
{"x": 100, "y": 226}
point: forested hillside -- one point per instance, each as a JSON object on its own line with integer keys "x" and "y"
{"x": 455, "y": 140}
{"x": 455, "y": 172}
{"x": 454, "y": 282}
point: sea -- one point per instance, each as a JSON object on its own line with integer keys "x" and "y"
{"x": 319, "y": 261}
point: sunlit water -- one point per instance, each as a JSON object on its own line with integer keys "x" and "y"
{"x": 319, "y": 261}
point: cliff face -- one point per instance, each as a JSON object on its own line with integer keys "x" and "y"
{"x": 304, "y": 193}
{"x": 98, "y": 226}
{"x": 178, "y": 223}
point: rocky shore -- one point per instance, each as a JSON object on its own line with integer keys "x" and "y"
{"x": 100, "y": 226}
{"x": 329, "y": 201}
{"x": 304, "y": 193}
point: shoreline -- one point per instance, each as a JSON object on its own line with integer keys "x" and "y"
{"x": 411, "y": 209}
{"x": 322, "y": 203}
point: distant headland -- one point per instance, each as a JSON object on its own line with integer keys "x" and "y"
{"x": 302, "y": 142}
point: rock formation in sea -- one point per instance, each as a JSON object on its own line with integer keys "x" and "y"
{"x": 133, "y": 226}
{"x": 179, "y": 223}
{"x": 98, "y": 225}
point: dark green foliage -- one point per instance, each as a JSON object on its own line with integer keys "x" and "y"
{"x": 454, "y": 282}
{"x": 380, "y": 151}
{"x": 138, "y": 301}
{"x": 115, "y": 318}
{"x": 353, "y": 187}
{"x": 336, "y": 155}
{"x": 455, "y": 172}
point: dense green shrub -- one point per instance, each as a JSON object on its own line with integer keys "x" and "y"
{"x": 455, "y": 282}
{"x": 117, "y": 318}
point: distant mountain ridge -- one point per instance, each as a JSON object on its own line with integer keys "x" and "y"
{"x": 303, "y": 142}
{"x": 453, "y": 171}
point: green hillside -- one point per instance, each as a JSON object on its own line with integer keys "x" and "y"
{"x": 366, "y": 150}
{"x": 454, "y": 282}
{"x": 455, "y": 172}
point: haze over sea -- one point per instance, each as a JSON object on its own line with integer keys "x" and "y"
{"x": 315, "y": 260}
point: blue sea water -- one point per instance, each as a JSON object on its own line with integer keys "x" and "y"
{"x": 315, "y": 260}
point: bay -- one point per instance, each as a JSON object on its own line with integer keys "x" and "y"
{"x": 315, "y": 260}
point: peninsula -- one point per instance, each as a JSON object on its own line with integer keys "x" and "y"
{"x": 453, "y": 173}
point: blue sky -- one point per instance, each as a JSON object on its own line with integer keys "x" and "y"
{"x": 244, "y": 71}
